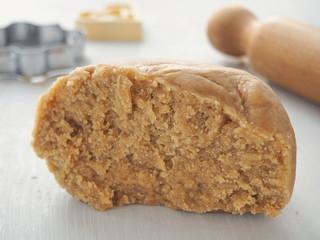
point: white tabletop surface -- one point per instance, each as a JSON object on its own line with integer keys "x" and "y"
{"x": 33, "y": 206}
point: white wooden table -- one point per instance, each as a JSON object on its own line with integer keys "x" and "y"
{"x": 33, "y": 206}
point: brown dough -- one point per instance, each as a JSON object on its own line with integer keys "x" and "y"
{"x": 196, "y": 137}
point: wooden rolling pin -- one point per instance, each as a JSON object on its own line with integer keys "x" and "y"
{"x": 286, "y": 52}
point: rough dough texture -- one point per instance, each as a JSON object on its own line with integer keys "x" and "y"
{"x": 189, "y": 136}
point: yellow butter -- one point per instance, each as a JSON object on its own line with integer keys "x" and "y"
{"x": 114, "y": 23}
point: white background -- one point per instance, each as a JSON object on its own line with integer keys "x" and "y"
{"x": 33, "y": 206}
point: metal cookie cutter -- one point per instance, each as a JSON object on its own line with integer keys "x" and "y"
{"x": 35, "y": 53}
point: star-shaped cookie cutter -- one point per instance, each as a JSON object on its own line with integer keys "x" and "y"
{"x": 35, "y": 53}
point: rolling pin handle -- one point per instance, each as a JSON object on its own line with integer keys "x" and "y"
{"x": 229, "y": 29}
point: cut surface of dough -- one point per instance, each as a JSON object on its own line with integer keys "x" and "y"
{"x": 195, "y": 137}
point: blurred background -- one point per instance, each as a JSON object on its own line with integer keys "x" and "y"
{"x": 172, "y": 29}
